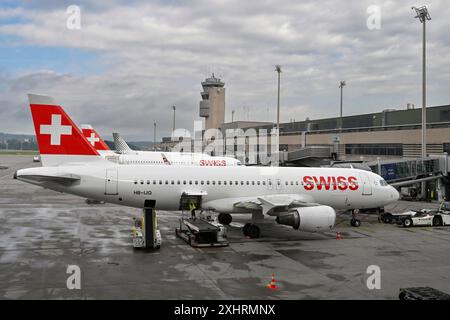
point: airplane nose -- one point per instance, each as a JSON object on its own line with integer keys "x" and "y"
{"x": 395, "y": 194}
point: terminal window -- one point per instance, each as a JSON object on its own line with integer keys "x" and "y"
{"x": 388, "y": 149}
{"x": 447, "y": 147}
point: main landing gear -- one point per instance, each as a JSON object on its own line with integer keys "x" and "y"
{"x": 355, "y": 222}
{"x": 251, "y": 230}
{"x": 225, "y": 218}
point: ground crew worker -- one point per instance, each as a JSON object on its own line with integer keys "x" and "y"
{"x": 192, "y": 209}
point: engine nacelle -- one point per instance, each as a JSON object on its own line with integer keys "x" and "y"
{"x": 317, "y": 218}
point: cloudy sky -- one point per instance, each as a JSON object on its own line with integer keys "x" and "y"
{"x": 130, "y": 61}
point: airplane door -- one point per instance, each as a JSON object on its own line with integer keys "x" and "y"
{"x": 278, "y": 181}
{"x": 111, "y": 183}
{"x": 269, "y": 184}
{"x": 366, "y": 185}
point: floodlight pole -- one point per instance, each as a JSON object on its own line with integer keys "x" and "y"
{"x": 278, "y": 70}
{"x": 174, "y": 110}
{"x": 341, "y": 85}
{"x": 423, "y": 15}
{"x": 424, "y": 94}
{"x": 154, "y": 136}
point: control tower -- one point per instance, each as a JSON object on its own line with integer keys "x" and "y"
{"x": 212, "y": 106}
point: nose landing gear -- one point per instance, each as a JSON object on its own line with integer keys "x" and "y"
{"x": 354, "y": 222}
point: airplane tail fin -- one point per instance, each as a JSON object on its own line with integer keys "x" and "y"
{"x": 120, "y": 145}
{"x": 60, "y": 141}
{"x": 94, "y": 138}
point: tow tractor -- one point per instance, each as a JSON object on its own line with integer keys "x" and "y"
{"x": 426, "y": 217}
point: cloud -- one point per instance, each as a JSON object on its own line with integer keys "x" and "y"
{"x": 155, "y": 54}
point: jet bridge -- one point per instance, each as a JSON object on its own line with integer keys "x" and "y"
{"x": 407, "y": 171}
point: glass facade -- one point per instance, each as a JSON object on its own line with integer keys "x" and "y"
{"x": 385, "y": 149}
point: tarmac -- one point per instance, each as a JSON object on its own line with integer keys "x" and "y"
{"x": 42, "y": 232}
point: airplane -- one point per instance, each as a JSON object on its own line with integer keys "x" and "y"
{"x": 125, "y": 155}
{"x": 303, "y": 198}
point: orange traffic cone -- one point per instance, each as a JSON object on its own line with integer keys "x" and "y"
{"x": 338, "y": 236}
{"x": 272, "y": 284}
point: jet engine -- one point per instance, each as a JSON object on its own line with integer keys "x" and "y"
{"x": 316, "y": 218}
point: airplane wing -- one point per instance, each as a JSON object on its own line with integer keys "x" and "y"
{"x": 267, "y": 204}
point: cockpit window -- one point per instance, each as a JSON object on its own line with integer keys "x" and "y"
{"x": 383, "y": 183}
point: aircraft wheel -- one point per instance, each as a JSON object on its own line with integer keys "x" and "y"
{"x": 355, "y": 222}
{"x": 254, "y": 231}
{"x": 225, "y": 218}
{"x": 246, "y": 228}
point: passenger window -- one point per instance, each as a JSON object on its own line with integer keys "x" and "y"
{"x": 263, "y": 183}
{"x": 286, "y": 183}
{"x": 214, "y": 182}
{"x": 242, "y": 183}
{"x": 160, "y": 181}
{"x": 253, "y": 183}
{"x": 172, "y": 182}
{"x": 196, "y": 182}
{"x": 148, "y": 181}
{"x": 224, "y": 183}
{"x": 190, "y": 181}
{"x": 207, "y": 182}
{"x": 258, "y": 183}
{"x": 248, "y": 182}
{"x": 167, "y": 181}
{"x": 184, "y": 181}
{"x": 142, "y": 181}
{"x": 135, "y": 182}
{"x": 219, "y": 182}
{"x": 236, "y": 182}
{"x": 202, "y": 182}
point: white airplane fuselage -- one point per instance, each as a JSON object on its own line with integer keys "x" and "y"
{"x": 173, "y": 158}
{"x": 220, "y": 187}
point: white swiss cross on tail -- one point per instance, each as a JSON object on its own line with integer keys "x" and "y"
{"x": 55, "y": 130}
{"x": 93, "y": 139}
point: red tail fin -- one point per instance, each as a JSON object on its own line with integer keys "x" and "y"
{"x": 94, "y": 138}
{"x": 56, "y": 133}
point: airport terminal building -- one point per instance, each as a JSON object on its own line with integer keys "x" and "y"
{"x": 381, "y": 135}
